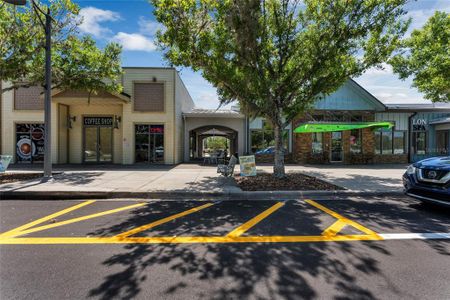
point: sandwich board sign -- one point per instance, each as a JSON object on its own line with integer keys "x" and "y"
{"x": 247, "y": 165}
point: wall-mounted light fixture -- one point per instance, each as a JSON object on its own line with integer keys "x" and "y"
{"x": 117, "y": 120}
{"x": 70, "y": 119}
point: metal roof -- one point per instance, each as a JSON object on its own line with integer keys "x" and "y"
{"x": 418, "y": 106}
{"x": 440, "y": 121}
{"x": 213, "y": 113}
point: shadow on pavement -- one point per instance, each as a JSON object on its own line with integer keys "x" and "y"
{"x": 237, "y": 271}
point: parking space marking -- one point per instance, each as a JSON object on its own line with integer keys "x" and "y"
{"x": 416, "y": 236}
{"x": 238, "y": 231}
{"x": 19, "y": 229}
{"x": 79, "y": 219}
{"x": 334, "y": 228}
{"x": 162, "y": 221}
{"x": 330, "y": 234}
{"x": 342, "y": 219}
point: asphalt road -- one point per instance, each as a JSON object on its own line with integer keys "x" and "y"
{"x": 323, "y": 249}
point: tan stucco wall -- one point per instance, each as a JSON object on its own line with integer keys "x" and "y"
{"x": 76, "y": 132}
{"x": 166, "y": 118}
{"x": 233, "y": 123}
{"x": 10, "y": 117}
{"x": 123, "y": 138}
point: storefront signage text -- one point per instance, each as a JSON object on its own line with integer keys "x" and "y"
{"x": 419, "y": 125}
{"x": 98, "y": 121}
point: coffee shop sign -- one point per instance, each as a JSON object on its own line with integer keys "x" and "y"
{"x": 419, "y": 124}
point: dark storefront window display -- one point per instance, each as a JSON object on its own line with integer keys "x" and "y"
{"x": 356, "y": 141}
{"x": 390, "y": 142}
{"x": 317, "y": 142}
{"x": 30, "y": 143}
{"x": 399, "y": 142}
{"x": 149, "y": 143}
{"x": 442, "y": 141}
{"x": 420, "y": 142}
{"x": 263, "y": 140}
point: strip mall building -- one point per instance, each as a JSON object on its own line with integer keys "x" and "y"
{"x": 154, "y": 121}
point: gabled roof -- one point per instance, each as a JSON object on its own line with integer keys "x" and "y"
{"x": 350, "y": 96}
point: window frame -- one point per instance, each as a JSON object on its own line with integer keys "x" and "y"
{"x": 392, "y": 148}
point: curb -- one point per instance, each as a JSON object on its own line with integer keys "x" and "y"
{"x": 187, "y": 195}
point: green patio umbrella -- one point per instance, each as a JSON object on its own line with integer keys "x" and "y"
{"x": 329, "y": 127}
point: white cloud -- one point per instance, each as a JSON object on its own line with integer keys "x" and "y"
{"x": 420, "y": 12}
{"x": 149, "y": 27}
{"x": 383, "y": 69}
{"x": 134, "y": 42}
{"x": 92, "y": 17}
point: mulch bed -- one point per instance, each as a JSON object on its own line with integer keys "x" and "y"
{"x": 292, "y": 182}
{"x": 11, "y": 177}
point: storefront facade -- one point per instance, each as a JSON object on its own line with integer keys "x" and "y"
{"x": 419, "y": 130}
{"x": 154, "y": 121}
{"x": 142, "y": 125}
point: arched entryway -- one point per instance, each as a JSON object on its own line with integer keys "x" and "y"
{"x": 205, "y": 140}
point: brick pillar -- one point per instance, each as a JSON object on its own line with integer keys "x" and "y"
{"x": 302, "y": 147}
{"x": 346, "y": 145}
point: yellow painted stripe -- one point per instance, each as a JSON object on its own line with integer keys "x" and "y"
{"x": 334, "y": 228}
{"x": 17, "y": 230}
{"x": 162, "y": 221}
{"x": 249, "y": 224}
{"x": 83, "y": 218}
{"x": 341, "y": 218}
{"x": 187, "y": 239}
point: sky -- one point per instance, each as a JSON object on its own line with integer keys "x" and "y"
{"x": 132, "y": 24}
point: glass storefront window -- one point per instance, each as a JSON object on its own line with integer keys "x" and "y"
{"x": 420, "y": 142}
{"x": 263, "y": 140}
{"x": 30, "y": 143}
{"x": 149, "y": 143}
{"x": 355, "y": 141}
{"x": 386, "y": 142}
{"x": 317, "y": 142}
{"x": 442, "y": 141}
{"x": 390, "y": 142}
{"x": 377, "y": 142}
{"x": 399, "y": 142}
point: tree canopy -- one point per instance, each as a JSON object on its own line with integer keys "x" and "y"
{"x": 426, "y": 57}
{"x": 77, "y": 63}
{"x": 278, "y": 57}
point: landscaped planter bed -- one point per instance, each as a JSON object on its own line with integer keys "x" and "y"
{"x": 292, "y": 182}
{"x": 13, "y": 177}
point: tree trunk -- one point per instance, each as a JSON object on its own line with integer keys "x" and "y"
{"x": 278, "y": 167}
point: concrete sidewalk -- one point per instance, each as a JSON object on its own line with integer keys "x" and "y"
{"x": 191, "y": 178}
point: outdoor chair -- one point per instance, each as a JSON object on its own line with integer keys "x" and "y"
{"x": 221, "y": 158}
{"x": 227, "y": 170}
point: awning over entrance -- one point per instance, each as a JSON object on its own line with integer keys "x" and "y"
{"x": 329, "y": 127}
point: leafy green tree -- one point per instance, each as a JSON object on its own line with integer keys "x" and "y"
{"x": 278, "y": 57}
{"x": 77, "y": 63}
{"x": 216, "y": 143}
{"x": 426, "y": 57}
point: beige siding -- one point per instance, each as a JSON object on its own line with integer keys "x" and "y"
{"x": 184, "y": 103}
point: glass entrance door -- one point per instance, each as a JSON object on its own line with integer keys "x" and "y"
{"x": 336, "y": 146}
{"x": 149, "y": 143}
{"x": 97, "y": 144}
